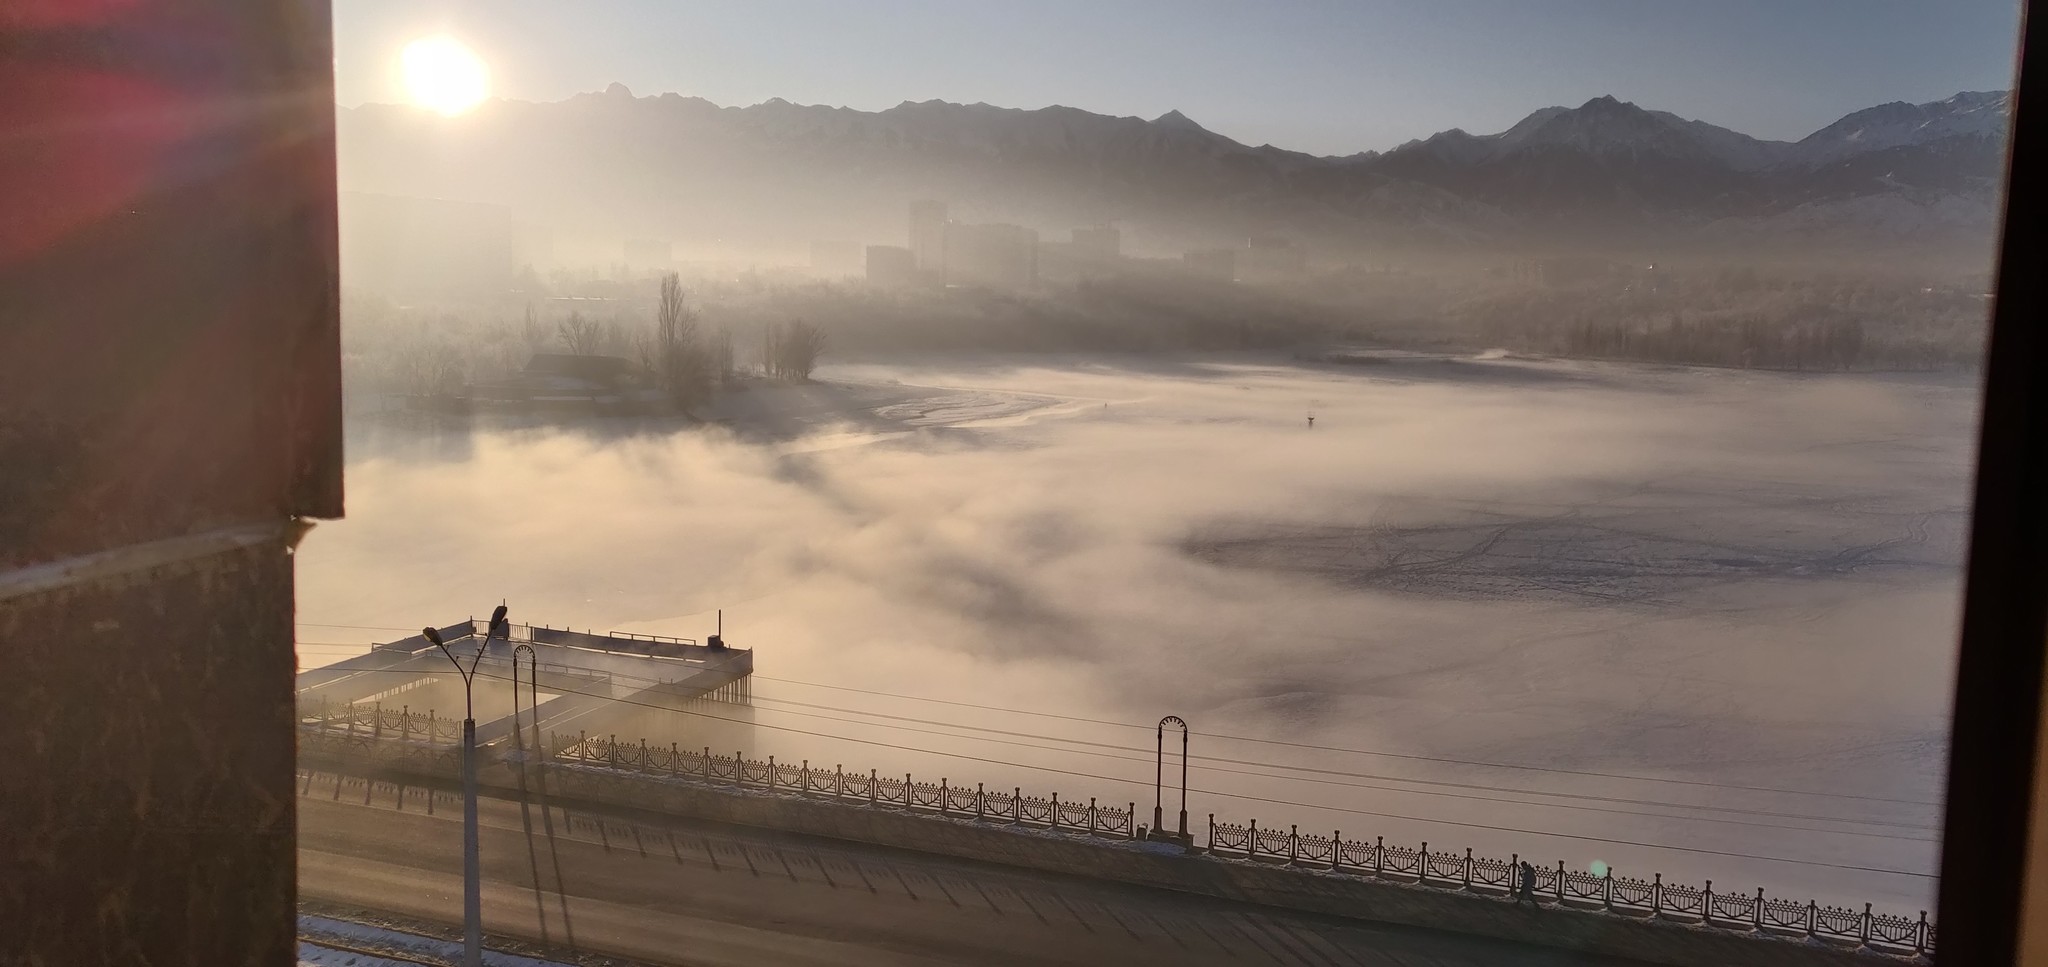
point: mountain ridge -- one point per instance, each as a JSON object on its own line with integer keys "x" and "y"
{"x": 670, "y": 161}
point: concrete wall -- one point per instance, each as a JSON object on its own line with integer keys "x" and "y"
{"x": 1167, "y": 867}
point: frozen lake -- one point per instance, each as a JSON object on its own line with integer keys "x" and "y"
{"x": 1689, "y": 621}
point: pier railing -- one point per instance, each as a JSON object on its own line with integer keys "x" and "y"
{"x": 941, "y": 798}
{"x": 1581, "y": 890}
{"x": 1603, "y": 892}
{"x": 387, "y": 736}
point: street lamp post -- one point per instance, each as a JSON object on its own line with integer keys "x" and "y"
{"x": 1159, "y": 775}
{"x": 472, "y": 877}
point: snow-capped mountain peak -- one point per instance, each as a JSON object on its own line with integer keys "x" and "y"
{"x": 1970, "y": 114}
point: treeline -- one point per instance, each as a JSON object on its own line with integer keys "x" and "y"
{"x": 1111, "y": 315}
{"x": 1824, "y": 324}
{"x": 1749, "y": 342}
{"x": 690, "y": 339}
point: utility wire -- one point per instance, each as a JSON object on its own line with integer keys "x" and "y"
{"x": 1371, "y": 752}
{"x": 1353, "y": 775}
{"x": 1366, "y": 775}
{"x": 1244, "y": 797}
{"x": 1284, "y": 802}
{"x": 1304, "y": 745}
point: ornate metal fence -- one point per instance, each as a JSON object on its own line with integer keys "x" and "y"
{"x": 870, "y": 789}
{"x": 364, "y": 746}
{"x": 428, "y": 739}
{"x": 372, "y": 721}
{"x": 1576, "y": 889}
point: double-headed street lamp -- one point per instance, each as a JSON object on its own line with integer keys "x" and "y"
{"x": 472, "y": 878}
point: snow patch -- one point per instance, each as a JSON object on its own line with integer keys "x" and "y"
{"x": 396, "y": 943}
{"x": 1969, "y": 114}
{"x": 314, "y": 955}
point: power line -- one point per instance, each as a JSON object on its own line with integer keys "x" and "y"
{"x": 1371, "y": 752}
{"x": 1313, "y": 747}
{"x": 1352, "y": 775}
{"x": 1240, "y": 796}
{"x": 1366, "y": 775}
{"x": 1284, "y": 802}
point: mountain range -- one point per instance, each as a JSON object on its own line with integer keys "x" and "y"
{"x": 1916, "y": 179}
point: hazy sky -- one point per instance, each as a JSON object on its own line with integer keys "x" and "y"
{"x": 1328, "y": 77}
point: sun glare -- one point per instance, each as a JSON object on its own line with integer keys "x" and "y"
{"x": 443, "y": 75}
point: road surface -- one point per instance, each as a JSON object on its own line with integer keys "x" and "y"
{"x": 678, "y": 892}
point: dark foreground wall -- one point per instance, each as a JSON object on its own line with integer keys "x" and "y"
{"x": 147, "y": 805}
{"x": 169, "y": 413}
{"x": 1145, "y": 864}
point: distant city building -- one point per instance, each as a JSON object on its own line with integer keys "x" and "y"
{"x": 643, "y": 254}
{"x": 928, "y": 235}
{"x": 1059, "y": 264}
{"x": 1094, "y": 253}
{"x": 891, "y": 265}
{"x": 1102, "y": 242}
{"x": 533, "y": 245}
{"x": 997, "y": 256}
{"x": 1266, "y": 258}
{"x": 836, "y": 259}
{"x": 426, "y": 249}
{"x": 1215, "y": 263}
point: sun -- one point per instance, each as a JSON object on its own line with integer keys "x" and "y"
{"x": 443, "y": 75}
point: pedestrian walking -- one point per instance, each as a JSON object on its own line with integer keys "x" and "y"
{"x": 1528, "y": 888}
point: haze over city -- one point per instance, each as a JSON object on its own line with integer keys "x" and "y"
{"x": 1473, "y": 483}
{"x": 1567, "y": 404}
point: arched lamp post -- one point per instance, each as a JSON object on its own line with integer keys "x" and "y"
{"x": 1159, "y": 777}
{"x": 533, "y": 687}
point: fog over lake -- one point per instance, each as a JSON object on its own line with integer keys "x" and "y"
{"x": 1734, "y": 579}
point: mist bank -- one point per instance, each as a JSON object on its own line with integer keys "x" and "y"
{"x": 1742, "y": 579}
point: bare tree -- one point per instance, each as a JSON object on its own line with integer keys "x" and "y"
{"x": 672, "y": 317}
{"x": 615, "y": 337}
{"x": 721, "y": 356}
{"x": 432, "y": 368}
{"x": 647, "y": 351}
{"x": 531, "y": 330}
{"x": 581, "y": 335}
{"x": 797, "y": 348}
{"x": 682, "y": 360}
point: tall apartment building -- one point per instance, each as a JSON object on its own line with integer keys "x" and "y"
{"x": 928, "y": 236}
